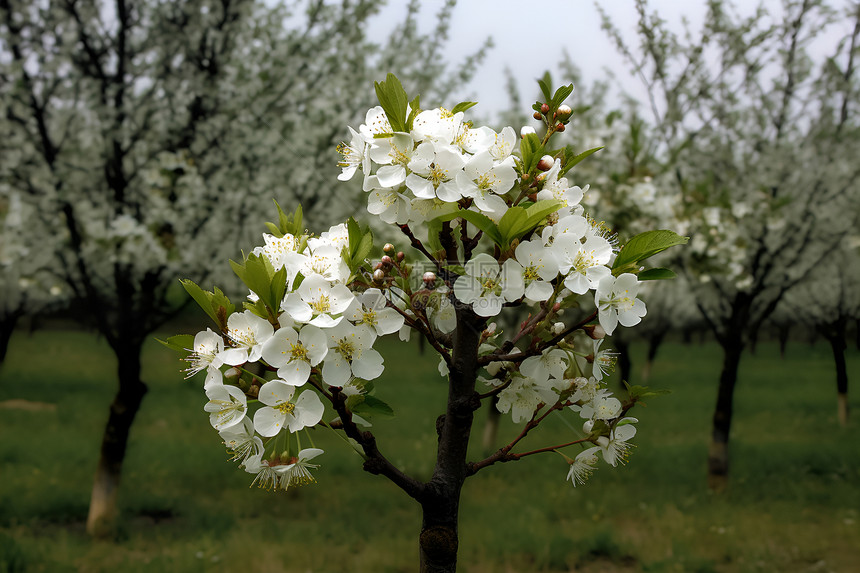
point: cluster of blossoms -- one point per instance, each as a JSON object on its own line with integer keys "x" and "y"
{"x": 444, "y": 165}
{"x": 505, "y": 230}
{"x": 321, "y": 331}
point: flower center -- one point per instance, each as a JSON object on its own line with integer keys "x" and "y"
{"x": 486, "y": 182}
{"x": 350, "y": 155}
{"x": 299, "y": 352}
{"x": 243, "y": 337}
{"x": 490, "y": 285}
{"x": 368, "y": 317}
{"x": 583, "y": 261}
{"x": 530, "y": 273}
{"x": 321, "y": 305}
{"x": 345, "y": 348}
{"x": 398, "y": 157}
{"x": 437, "y": 175}
{"x": 285, "y": 408}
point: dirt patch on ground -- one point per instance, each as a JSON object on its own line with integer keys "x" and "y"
{"x": 27, "y": 405}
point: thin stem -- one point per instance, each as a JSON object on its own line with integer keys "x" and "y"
{"x": 420, "y": 247}
{"x": 375, "y": 462}
{"x": 503, "y": 454}
{"x": 522, "y": 355}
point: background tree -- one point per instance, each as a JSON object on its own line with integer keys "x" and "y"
{"x": 829, "y": 308}
{"x": 758, "y": 138}
{"x": 29, "y": 283}
{"x": 147, "y": 134}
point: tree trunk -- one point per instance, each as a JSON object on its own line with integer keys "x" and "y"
{"x": 103, "y": 503}
{"x": 439, "y": 539}
{"x": 687, "y": 336}
{"x": 838, "y": 343}
{"x": 7, "y": 327}
{"x": 754, "y": 341}
{"x": 654, "y": 343}
{"x": 783, "y": 331}
{"x": 718, "y": 453}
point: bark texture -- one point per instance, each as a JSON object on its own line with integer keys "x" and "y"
{"x": 101, "y": 521}
{"x": 440, "y": 500}
{"x": 7, "y": 327}
{"x": 836, "y": 336}
{"x": 718, "y": 452}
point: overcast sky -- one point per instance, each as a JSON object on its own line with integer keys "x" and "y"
{"x": 530, "y": 36}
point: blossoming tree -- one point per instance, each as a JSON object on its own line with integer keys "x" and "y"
{"x": 140, "y": 133}
{"x": 494, "y": 225}
{"x": 759, "y": 141}
{"x": 28, "y": 283}
{"x": 828, "y": 307}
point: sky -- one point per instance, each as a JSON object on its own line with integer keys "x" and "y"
{"x": 530, "y": 41}
{"x": 531, "y": 36}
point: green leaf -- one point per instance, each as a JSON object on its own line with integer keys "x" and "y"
{"x": 463, "y": 106}
{"x": 539, "y": 211}
{"x": 257, "y": 273}
{"x": 531, "y": 150}
{"x": 222, "y": 307}
{"x": 545, "y": 84}
{"x": 637, "y": 393}
{"x": 200, "y": 296}
{"x": 511, "y": 223}
{"x": 434, "y": 229}
{"x": 287, "y": 224}
{"x": 273, "y": 229}
{"x": 415, "y": 109}
{"x": 360, "y": 244}
{"x": 483, "y": 223}
{"x": 181, "y": 343}
{"x": 215, "y": 304}
{"x": 392, "y": 97}
{"x": 646, "y": 245}
{"x": 655, "y": 274}
{"x": 480, "y": 221}
{"x": 519, "y": 221}
{"x": 560, "y": 95}
{"x": 372, "y": 406}
{"x": 278, "y": 288}
{"x": 570, "y": 163}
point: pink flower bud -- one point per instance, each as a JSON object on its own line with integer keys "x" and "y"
{"x": 400, "y": 256}
{"x": 537, "y": 115}
{"x": 388, "y": 248}
{"x": 429, "y": 277}
{"x": 559, "y": 127}
{"x": 378, "y": 276}
{"x": 544, "y": 108}
{"x": 386, "y": 261}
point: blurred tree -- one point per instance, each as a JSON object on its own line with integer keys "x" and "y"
{"x": 29, "y": 282}
{"x": 759, "y": 140}
{"x": 829, "y": 307}
{"x": 146, "y": 134}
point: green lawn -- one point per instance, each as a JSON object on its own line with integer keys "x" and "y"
{"x": 793, "y": 502}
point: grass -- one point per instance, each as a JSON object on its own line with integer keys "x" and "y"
{"x": 793, "y": 503}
